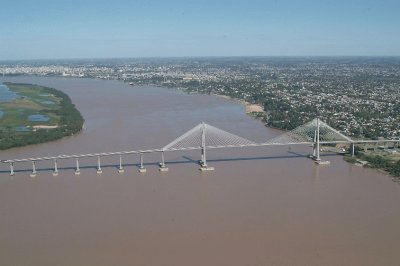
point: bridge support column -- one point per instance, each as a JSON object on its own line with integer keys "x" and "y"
{"x": 315, "y": 154}
{"x": 99, "y": 171}
{"x": 55, "y": 172}
{"x": 316, "y": 147}
{"x": 203, "y": 156}
{"x": 203, "y": 162}
{"x": 141, "y": 168}
{"x": 33, "y": 174}
{"x": 163, "y": 167}
{"x": 120, "y": 169}
{"x": 352, "y": 149}
{"x": 365, "y": 147}
{"x": 12, "y": 169}
{"x": 317, "y": 158}
{"x": 77, "y": 170}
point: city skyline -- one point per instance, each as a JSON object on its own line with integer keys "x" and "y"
{"x": 103, "y": 29}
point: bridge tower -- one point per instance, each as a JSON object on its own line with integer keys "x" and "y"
{"x": 203, "y": 161}
{"x": 316, "y": 145}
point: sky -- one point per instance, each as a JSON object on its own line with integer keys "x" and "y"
{"x": 52, "y": 29}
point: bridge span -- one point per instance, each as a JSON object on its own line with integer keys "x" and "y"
{"x": 204, "y": 137}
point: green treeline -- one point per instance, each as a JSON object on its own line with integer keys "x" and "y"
{"x": 378, "y": 162}
{"x": 70, "y": 122}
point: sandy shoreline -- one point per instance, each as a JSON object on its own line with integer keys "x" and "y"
{"x": 249, "y": 107}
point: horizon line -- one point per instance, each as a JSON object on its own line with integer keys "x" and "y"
{"x": 204, "y": 56}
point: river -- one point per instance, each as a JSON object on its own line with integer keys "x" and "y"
{"x": 261, "y": 206}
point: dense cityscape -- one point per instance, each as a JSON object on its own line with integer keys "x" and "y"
{"x": 360, "y": 96}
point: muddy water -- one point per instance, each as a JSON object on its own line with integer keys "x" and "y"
{"x": 262, "y": 206}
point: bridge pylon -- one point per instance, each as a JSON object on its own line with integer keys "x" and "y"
{"x": 316, "y": 146}
{"x": 203, "y": 162}
{"x": 203, "y": 137}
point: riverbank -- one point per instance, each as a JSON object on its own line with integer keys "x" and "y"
{"x": 388, "y": 164}
{"x": 249, "y": 107}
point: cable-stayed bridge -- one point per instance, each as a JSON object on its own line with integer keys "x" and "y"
{"x": 204, "y": 137}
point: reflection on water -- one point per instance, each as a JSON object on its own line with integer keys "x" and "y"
{"x": 261, "y": 206}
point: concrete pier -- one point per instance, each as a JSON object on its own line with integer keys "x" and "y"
{"x": 55, "y": 172}
{"x": 320, "y": 162}
{"x": 12, "y": 169}
{"x": 77, "y": 170}
{"x": 206, "y": 168}
{"x": 352, "y": 149}
{"x": 120, "y": 169}
{"x": 33, "y": 174}
{"x": 141, "y": 168}
{"x": 99, "y": 171}
{"x": 163, "y": 167}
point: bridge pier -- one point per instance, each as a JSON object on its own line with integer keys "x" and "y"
{"x": 141, "y": 168}
{"x": 99, "y": 171}
{"x": 316, "y": 146}
{"x": 315, "y": 152}
{"x": 316, "y": 155}
{"x": 163, "y": 167}
{"x": 120, "y": 169}
{"x": 12, "y": 169}
{"x": 352, "y": 149}
{"x": 203, "y": 162}
{"x": 33, "y": 174}
{"x": 55, "y": 172}
{"x": 77, "y": 170}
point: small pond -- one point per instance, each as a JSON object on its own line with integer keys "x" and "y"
{"x": 22, "y": 129}
{"x": 38, "y": 118}
{"x": 6, "y": 95}
{"x": 47, "y": 102}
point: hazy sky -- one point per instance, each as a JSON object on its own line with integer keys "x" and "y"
{"x": 50, "y": 29}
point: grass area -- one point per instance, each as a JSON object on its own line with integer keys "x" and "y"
{"x": 37, "y": 100}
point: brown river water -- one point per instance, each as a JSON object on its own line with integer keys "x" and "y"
{"x": 261, "y": 206}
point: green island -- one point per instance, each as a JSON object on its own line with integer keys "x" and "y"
{"x": 36, "y": 114}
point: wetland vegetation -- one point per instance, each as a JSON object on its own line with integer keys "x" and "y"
{"x": 36, "y": 114}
